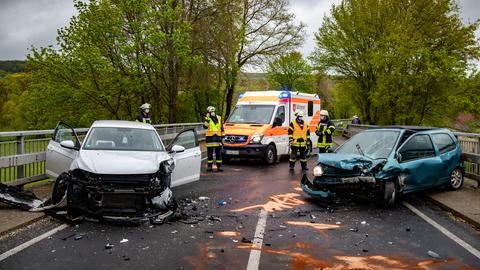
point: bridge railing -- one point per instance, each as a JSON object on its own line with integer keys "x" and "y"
{"x": 23, "y": 153}
{"x": 469, "y": 142}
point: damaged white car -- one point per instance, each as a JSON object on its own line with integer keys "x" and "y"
{"x": 121, "y": 171}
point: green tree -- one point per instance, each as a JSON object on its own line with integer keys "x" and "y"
{"x": 400, "y": 59}
{"x": 292, "y": 72}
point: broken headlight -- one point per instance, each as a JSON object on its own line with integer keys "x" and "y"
{"x": 318, "y": 170}
{"x": 167, "y": 166}
{"x": 90, "y": 177}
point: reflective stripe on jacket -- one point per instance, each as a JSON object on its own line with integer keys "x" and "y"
{"x": 298, "y": 134}
{"x": 325, "y": 132}
{"x": 214, "y": 131}
{"x": 142, "y": 118}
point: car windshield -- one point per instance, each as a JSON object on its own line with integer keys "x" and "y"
{"x": 372, "y": 144}
{"x": 123, "y": 139}
{"x": 252, "y": 114}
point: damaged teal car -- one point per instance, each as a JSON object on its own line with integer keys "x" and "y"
{"x": 388, "y": 162}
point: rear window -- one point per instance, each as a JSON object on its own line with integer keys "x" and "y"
{"x": 443, "y": 142}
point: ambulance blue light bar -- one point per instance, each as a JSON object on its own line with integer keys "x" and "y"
{"x": 241, "y": 95}
{"x": 284, "y": 94}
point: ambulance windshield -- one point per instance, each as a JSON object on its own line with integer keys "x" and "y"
{"x": 251, "y": 114}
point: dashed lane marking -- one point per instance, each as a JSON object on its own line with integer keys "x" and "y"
{"x": 31, "y": 242}
{"x": 442, "y": 229}
{"x": 254, "y": 259}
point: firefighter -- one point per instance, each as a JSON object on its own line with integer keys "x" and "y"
{"x": 298, "y": 136}
{"x": 144, "y": 115}
{"x": 213, "y": 136}
{"x": 324, "y": 131}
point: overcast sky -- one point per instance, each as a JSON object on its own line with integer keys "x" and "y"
{"x": 24, "y": 23}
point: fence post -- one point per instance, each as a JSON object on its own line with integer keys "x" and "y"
{"x": 20, "y": 151}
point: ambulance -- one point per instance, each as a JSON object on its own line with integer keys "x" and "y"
{"x": 258, "y": 126}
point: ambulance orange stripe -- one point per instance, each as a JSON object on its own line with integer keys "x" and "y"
{"x": 275, "y": 99}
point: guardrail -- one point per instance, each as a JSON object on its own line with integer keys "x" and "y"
{"x": 23, "y": 153}
{"x": 469, "y": 142}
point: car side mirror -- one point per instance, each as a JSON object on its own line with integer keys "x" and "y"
{"x": 398, "y": 157}
{"x": 177, "y": 149}
{"x": 69, "y": 144}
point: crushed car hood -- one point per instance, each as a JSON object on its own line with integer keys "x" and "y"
{"x": 119, "y": 162}
{"x": 344, "y": 161}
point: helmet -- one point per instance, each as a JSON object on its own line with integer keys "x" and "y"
{"x": 210, "y": 109}
{"x": 324, "y": 112}
{"x": 145, "y": 106}
{"x": 299, "y": 114}
{"x": 355, "y": 116}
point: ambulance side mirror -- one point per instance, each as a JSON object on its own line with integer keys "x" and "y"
{"x": 277, "y": 122}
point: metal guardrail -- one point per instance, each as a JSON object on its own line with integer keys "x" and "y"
{"x": 23, "y": 153}
{"x": 469, "y": 142}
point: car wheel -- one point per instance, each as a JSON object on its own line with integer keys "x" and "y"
{"x": 390, "y": 193}
{"x": 456, "y": 179}
{"x": 60, "y": 187}
{"x": 270, "y": 154}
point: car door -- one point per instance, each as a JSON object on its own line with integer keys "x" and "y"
{"x": 419, "y": 163}
{"x": 59, "y": 158}
{"x": 280, "y": 132}
{"x": 188, "y": 162}
{"x": 446, "y": 147}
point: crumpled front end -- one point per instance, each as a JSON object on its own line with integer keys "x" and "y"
{"x": 346, "y": 175}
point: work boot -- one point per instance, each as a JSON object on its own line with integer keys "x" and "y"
{"x": 292, "y": 165}
{"x": 219, "y": 169}
{"x": 209, "y": 169}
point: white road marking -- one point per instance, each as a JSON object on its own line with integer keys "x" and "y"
{"x": 442, "y": 229}
{"x": 254, "y": 259}
{"x": 31, "y": 242}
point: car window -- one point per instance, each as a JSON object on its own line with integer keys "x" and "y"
{"x": 310, "y": 108}
{"x": 123, "y": 139}
{"x": 280, "y": 114}
{"x": 372, "y": 144}
{"x": 419, "y": 146}
{"x": 444, "y": 142}
{"x": 186, "y": 139}
{"x": 64, "y": 133}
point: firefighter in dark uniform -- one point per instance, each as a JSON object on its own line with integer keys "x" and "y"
{"x": 213, "y": 136}
{"x": 298, "y": 135}
{"x": 324, "y": 131}
{"x": 144, "y": 115}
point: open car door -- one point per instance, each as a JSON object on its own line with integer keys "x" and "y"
{"x": 61, "y": 150}
{"x": 188, "y": 162}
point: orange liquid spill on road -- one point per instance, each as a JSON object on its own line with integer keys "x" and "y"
{"x": 316, "y": 226}
{"x": 276, "y": 203}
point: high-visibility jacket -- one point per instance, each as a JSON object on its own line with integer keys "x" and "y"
{"x": 214, "y": 131}
{"x": 298, "y": 133}
{"x": 143, "y": 118}
{"x": 325, "y": 132}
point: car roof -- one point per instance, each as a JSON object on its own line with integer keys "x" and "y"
{"x": 414, "y": 129}
{"x": 122, "y": 123}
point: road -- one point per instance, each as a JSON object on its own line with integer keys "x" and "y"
{"x": 293, "y": 232}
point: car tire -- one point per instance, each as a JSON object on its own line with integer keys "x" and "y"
{"x": 455, "y": 181}
{"x": 390, "y": 193}
{"x": 270, "y": 155}
{"x": 60, "y": 187}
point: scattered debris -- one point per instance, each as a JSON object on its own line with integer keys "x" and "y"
{"x": 354, "y": 229}
{"x": 235, "y": 240}
{"x": 283, "y": 226}
{"x": 79, "y": 236}
{"x": 407, "y": 229}
{"x": 245, "y": 240}
{"x": 145, "y": 248}
{"x": 365, "y": 250}
{"x": 312, "y": 216}
{"x": 109, "y": 246}
{"x": 124, "y": 240}
{"x": 433, "y": 254}
{"x": 338, "y": 222}
{"x": 268, "y": 244}
{"x": 363, "y": 222}
{"x": 222, "y": 203}
{"x": 174, "y": 231}
{"x": 203, "y": 198}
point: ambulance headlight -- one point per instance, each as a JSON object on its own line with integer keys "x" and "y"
{"x": 256, "y": 138}
{"x": 318, "y": 170}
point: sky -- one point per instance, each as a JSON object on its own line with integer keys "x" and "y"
{"x": 26, "y": 23}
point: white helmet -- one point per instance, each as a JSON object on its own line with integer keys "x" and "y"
{"x": 145, "y": 106}
{"x": 299, "y": 114}
{"x": 210, "y": 109}
{"x": 324, "y": 112}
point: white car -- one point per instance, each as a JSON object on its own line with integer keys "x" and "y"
{"x": 121, "y": 170}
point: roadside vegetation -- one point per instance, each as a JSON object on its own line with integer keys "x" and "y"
{"x": 389, "y": 62}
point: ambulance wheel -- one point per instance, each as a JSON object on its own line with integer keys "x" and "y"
{"x": 270, "y": 154}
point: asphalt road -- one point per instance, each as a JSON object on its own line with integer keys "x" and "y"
{"x": 299, "y": 233}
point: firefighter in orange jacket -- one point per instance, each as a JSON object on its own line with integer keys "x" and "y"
{"x": 213, "y": 136}
{"x": 299, "y": 137}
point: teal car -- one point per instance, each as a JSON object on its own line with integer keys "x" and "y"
{"x": 388, "y": 162}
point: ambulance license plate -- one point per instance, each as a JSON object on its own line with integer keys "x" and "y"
{"x": 232, "y": 152}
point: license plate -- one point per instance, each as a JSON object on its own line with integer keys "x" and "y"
{"x": 232, "y": 152}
